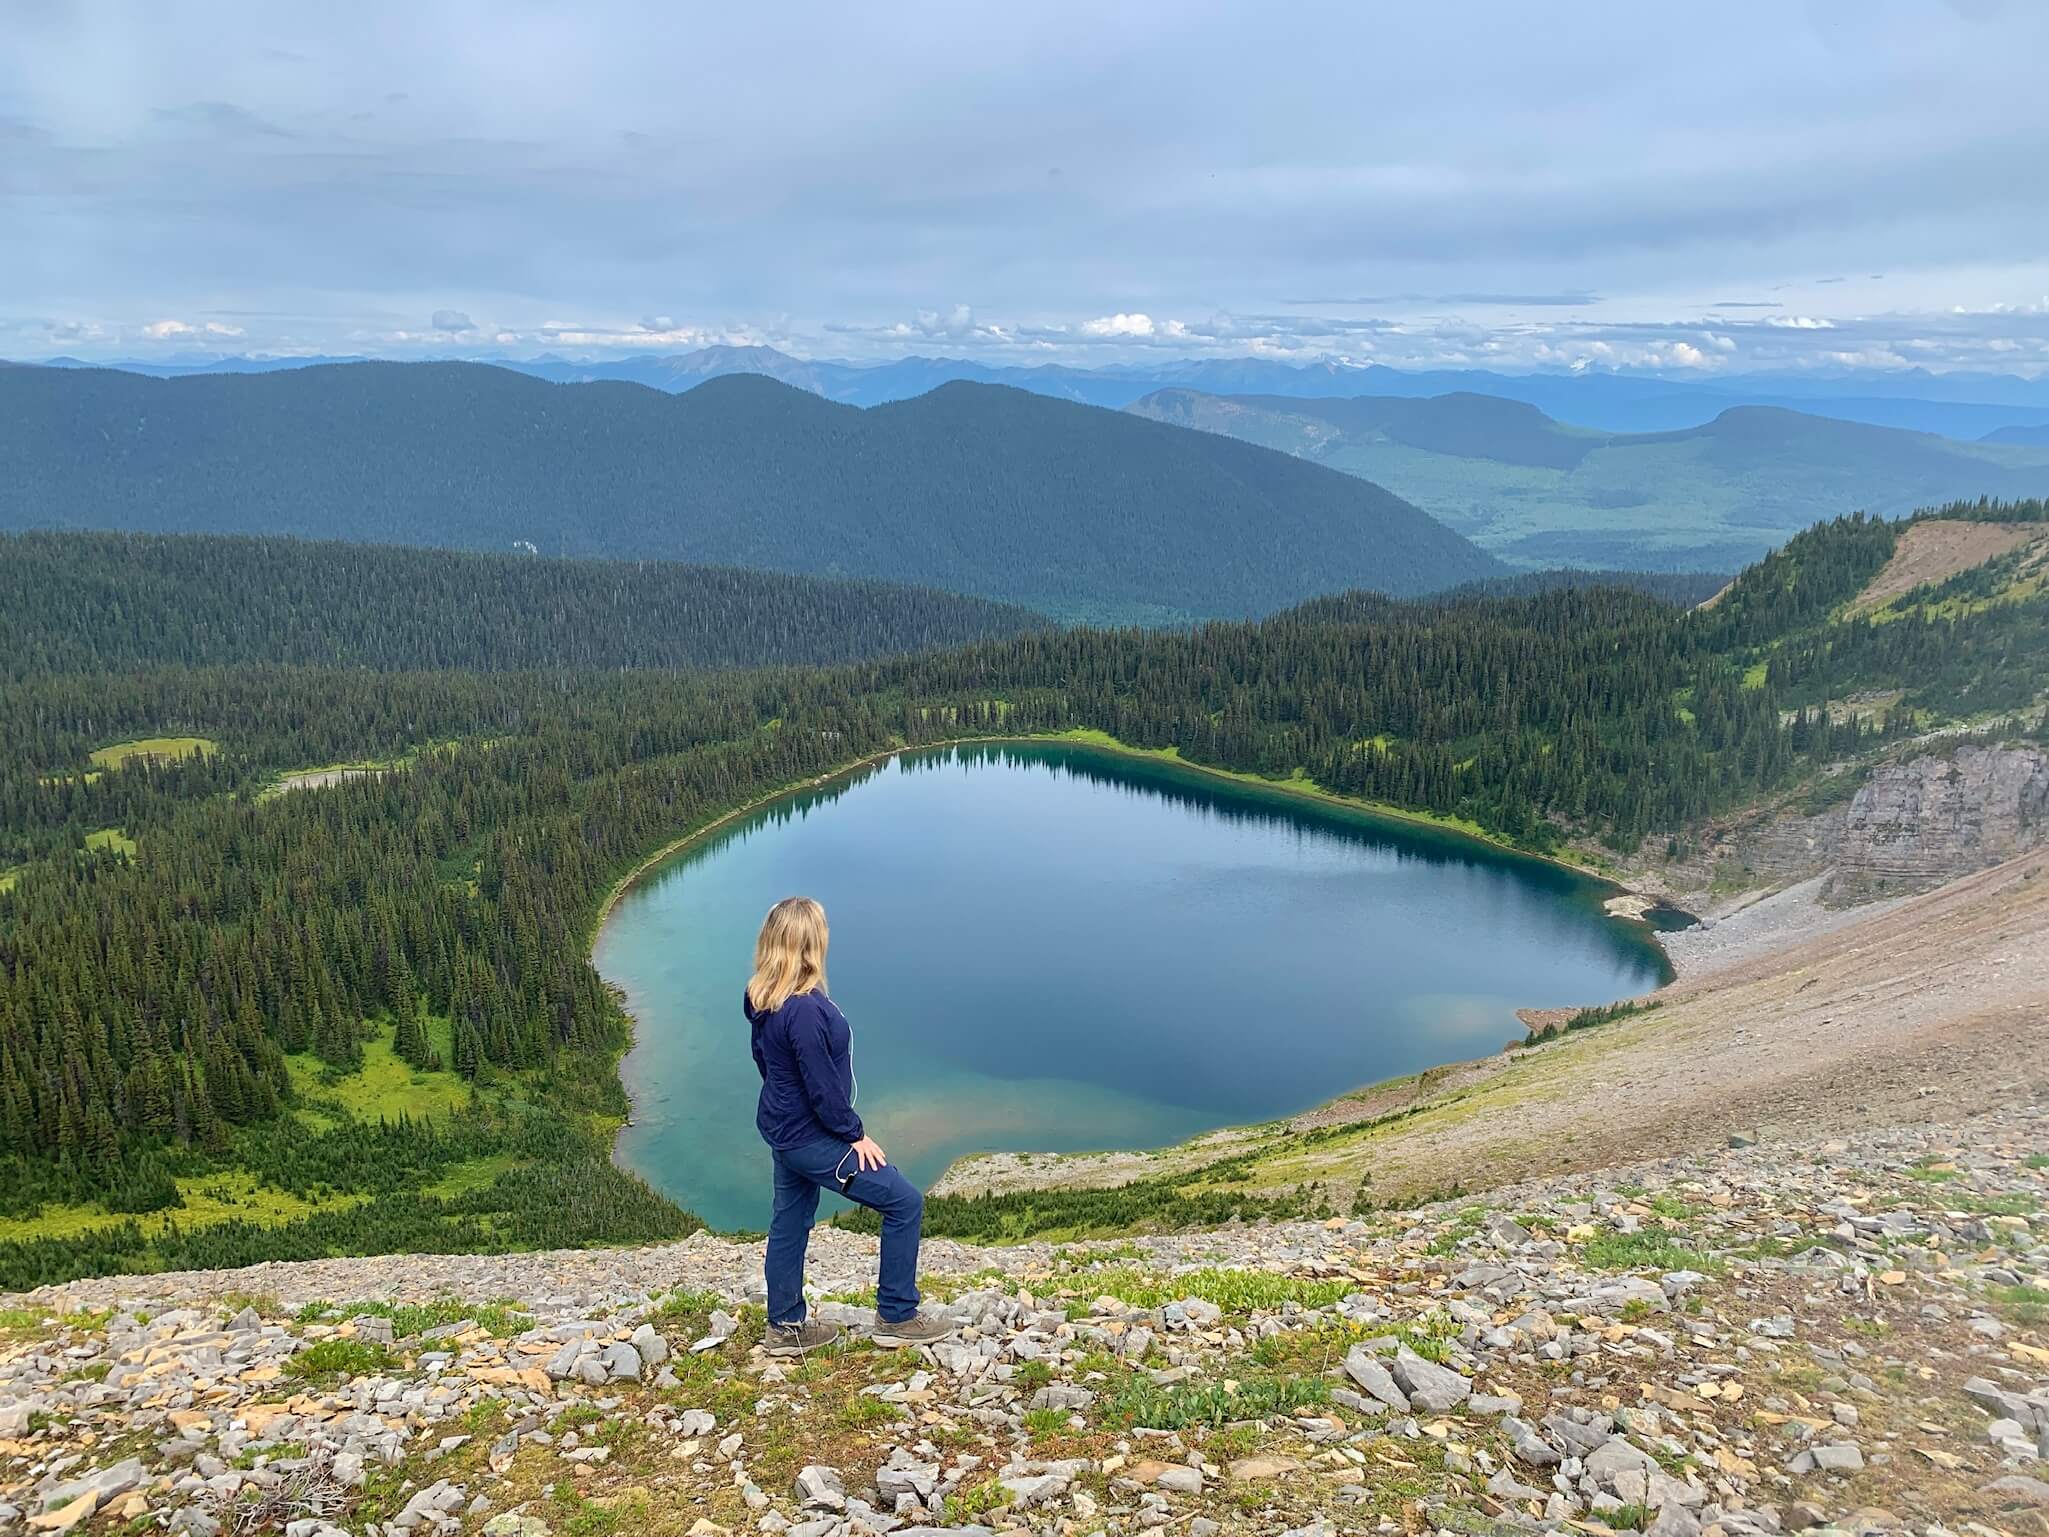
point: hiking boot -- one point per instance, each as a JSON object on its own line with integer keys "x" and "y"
{"x": 795, "y": 1339}
{"x": 919, "y": 1329}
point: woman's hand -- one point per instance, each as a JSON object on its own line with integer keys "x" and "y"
{"x": 869, "y": 1155}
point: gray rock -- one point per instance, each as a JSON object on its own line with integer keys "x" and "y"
{"x": 622, "y": 1360}
{"x": 1674, "y": 1520}
{"x": 1528, "y": 1446}
{"x": 1029, "y": 1489}
{"x": 1180, "y": 1481}
{"x": 562, "y": 1365}
{"x": 2016, "y": 1491}
{"x": 1842, "y": 1457}
{"x": 1618, "y": 1456}
{"x": 904, "y": 1475}
{"x": 1358, "y": 1403}
{"x": 108, "y": 1483}
{"x": 1504, "y": 1485}
{"x": 821, "y": 1488}
{"x": 1431, "y": 1388}
{"x": 1057, "y": 1395}
{"x": 648, "y": 1343}
{"x": 1507, "y": 1232}
{"x": 1363, "y": 1369}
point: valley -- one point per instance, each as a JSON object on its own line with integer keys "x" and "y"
{"x": 451, "y": 893}
{"x": 1536, "y": 492}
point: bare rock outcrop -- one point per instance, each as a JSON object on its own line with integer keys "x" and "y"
{"x": 1917, "y": 823}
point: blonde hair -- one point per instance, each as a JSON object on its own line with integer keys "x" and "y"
{"x": 789, "y": 957}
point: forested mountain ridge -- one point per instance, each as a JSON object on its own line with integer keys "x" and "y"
{"x": 1077, "y": 512}
{"x": 103, "y": 602}
{"x": 1537, "y": 492}
{"x": 209, "y": 1002}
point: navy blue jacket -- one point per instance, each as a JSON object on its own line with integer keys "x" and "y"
{"x": 805, "y": 1051}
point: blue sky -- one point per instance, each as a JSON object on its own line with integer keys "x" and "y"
{"x": 1691, "y": 188}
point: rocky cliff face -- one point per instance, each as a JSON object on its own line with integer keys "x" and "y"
{"x": 1917, "y": 823}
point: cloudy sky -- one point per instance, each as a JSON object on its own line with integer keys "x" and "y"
{"x": 1685, "y": 187}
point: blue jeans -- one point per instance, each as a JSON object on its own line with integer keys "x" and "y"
{"x": 800, "y": 1173}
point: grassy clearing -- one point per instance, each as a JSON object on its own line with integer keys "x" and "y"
{"x": 324, "y": 775}
{"x": 231, "y": 1195}
{"x": 318, "y": 776}
{"x": 163, "y": 749}
{"x": 111, "y": 838}
{"x": 387, "y": 1086}
{"x": 473, "y": 1174}
{"x": 9, "y": 877}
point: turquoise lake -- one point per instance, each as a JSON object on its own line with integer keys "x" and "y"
{"x": 1053, "y": 948}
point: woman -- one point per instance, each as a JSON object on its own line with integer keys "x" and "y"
{"x": 805, "y": 1051}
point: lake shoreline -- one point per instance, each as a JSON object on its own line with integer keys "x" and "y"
{"x": 1085, "y": 742}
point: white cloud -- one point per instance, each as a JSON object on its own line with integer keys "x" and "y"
{"x": 171, "y": 330}
{"x": 957, "y": 323}
{"x": 452, "y": 321}
{"x": 1119, "y": 325}
{"x": 1799, "y": 323}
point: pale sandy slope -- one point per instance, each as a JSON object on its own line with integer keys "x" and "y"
{"x": 1931, "y": 1009}
{"x": 1936, "y": 550}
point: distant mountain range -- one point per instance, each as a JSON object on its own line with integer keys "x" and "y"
{"x": 1539, "y": 493}
{"x": 1955, "y": 405}
{"x": 995, "y": 492}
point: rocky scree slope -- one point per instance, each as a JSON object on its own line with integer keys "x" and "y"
{"x": 1840, "y": 1337}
